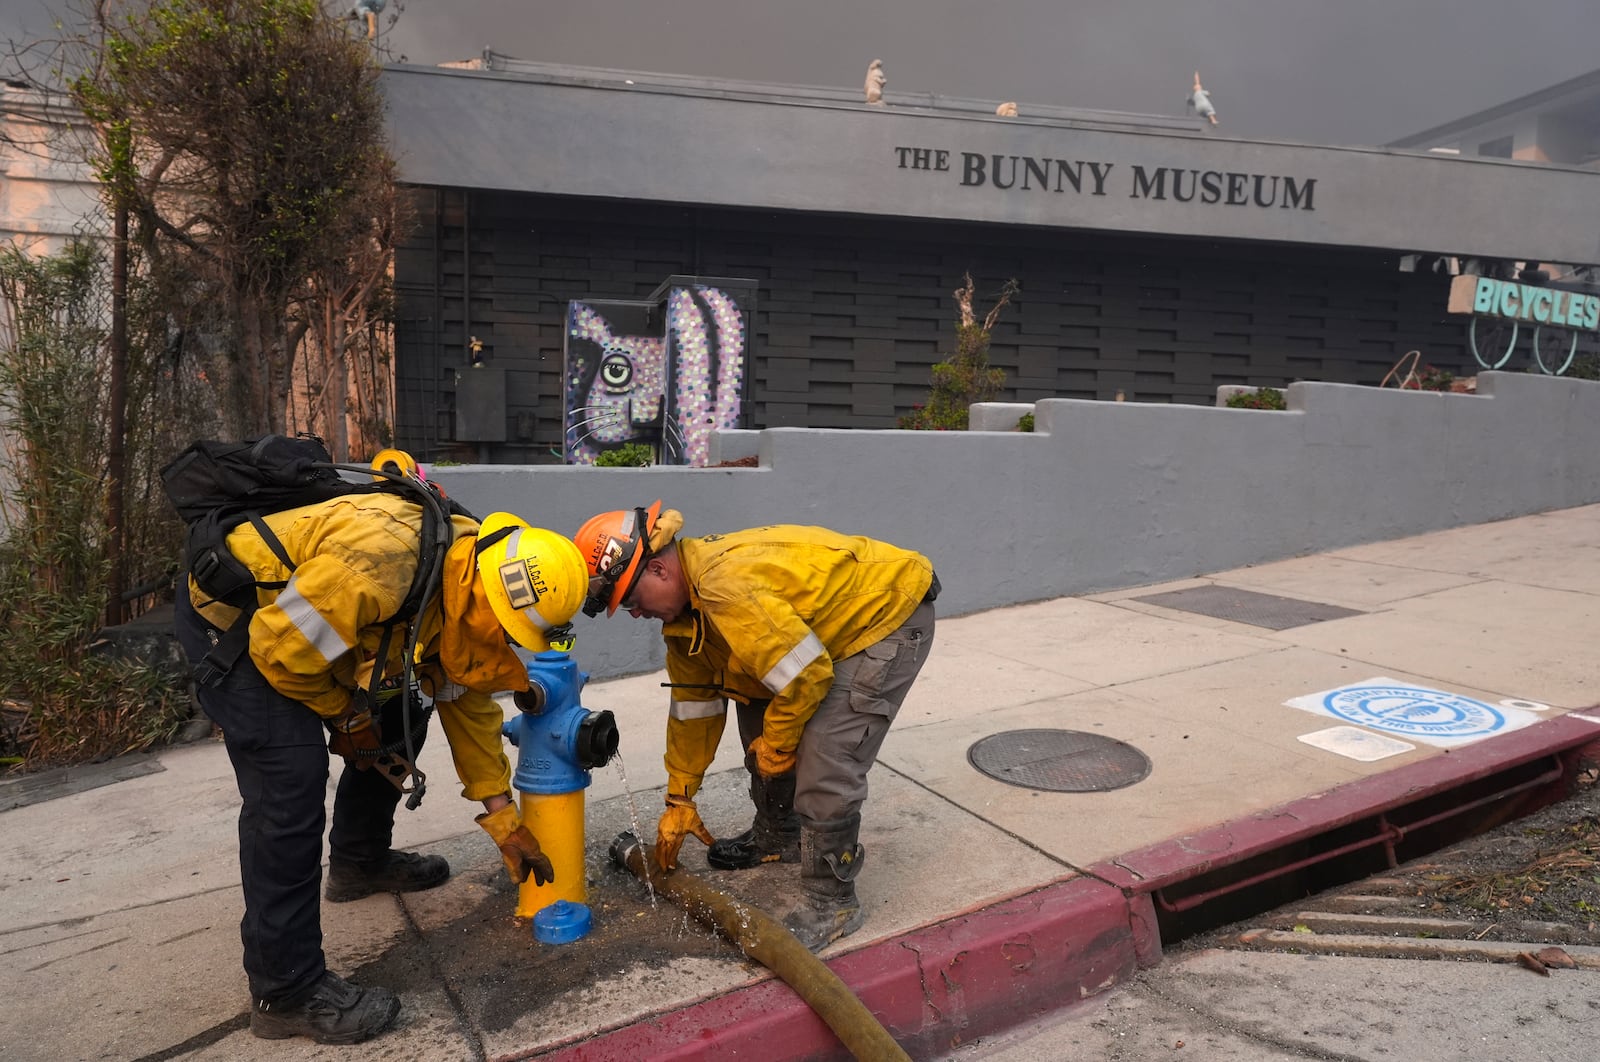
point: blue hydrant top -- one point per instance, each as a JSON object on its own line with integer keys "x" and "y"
{"x": 557, "y": 739}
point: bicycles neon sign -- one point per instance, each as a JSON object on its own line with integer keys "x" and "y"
{"x": 1524, "y": 302}
{"x": 1500, "y": 307}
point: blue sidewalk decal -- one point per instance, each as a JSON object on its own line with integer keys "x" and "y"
{"x": 1433, "y": 716}
{"x": 1414, "y": 711}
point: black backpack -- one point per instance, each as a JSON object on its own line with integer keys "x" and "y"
{"x": 216, "y": 486}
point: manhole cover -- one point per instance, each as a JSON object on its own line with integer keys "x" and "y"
{"x": 1060, "y": 761}
{"x": 1247, "y": 606}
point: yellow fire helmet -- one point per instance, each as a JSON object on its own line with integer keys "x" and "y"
{"x": 536, "y": 580}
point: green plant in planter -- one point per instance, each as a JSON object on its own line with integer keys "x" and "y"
{"x": 1584, "y": 367}
{"x": 1260, "y": 398}
{"x": 935, "y": 416}
{"x": 1025, "y": 422}
{"x": 966, "y": 376}
{"x": 628, "y": 455}
{"x": 1432, "y": 379}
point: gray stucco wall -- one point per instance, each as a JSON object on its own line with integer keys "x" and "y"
{"x": 1103, "y": 494}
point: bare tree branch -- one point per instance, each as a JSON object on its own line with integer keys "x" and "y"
{"x": 247, "y": 137}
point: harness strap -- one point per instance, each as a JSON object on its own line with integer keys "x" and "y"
{"x": 275, "y": 544}
{"x": 220, "y": 660}
{"x": 485, "y": 541}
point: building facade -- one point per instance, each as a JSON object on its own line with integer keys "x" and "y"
{"x": 1157, "y": 260}
{"x": 48, "y": 193}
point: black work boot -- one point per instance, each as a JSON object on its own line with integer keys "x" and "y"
{"x": 830, "y": 859}
{"x": 774, "y": 836}
{"x": 336, "y": 1012}
{"x": 396, "y": 872}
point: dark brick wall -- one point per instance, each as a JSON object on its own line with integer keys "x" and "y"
{"x": 852, "y": 312}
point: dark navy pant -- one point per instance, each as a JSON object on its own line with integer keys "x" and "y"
{"x": 279, "y": 752}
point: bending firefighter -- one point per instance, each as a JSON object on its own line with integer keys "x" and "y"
{"x": 321, "y": 628}
{"x": 817, "y": 636}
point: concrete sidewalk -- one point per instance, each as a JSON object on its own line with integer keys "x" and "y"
{"x": 988, "y": 903}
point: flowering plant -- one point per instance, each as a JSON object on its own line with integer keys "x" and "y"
{"x": 1260, "y": 398}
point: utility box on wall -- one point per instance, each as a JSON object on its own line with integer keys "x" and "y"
{"x": 480, "y": 405}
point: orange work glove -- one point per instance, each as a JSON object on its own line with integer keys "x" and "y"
{"x": 353, "y": 736}
{"x": 519, "y": 848}
{"x": 769, "y": 761}
{"x": 679, "y": 820}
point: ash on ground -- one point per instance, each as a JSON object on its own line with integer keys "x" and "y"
{"x": 1535, "y": 880}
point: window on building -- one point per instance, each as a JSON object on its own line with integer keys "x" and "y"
{"x": 1499, "y": 148}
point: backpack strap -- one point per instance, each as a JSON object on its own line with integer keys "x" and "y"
{"x": 485, "y": 541}
{"x": 216, "y": 664}
{"x": 273, "y": 543}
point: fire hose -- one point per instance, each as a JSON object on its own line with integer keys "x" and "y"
{"x": 766, "y": 941}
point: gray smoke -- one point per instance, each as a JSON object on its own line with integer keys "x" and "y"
{"x": 1344, "y": 72}
{"x": 1321, "y": 71}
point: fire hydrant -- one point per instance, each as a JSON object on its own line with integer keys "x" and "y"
{"x": 558, "y": 742}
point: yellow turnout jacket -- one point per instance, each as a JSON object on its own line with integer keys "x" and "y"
{"x": 770, "y": 610}
{"x": 316, "y": 640}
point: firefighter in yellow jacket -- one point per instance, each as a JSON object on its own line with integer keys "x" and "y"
{"x": 817, "y": 636}
{"x": 303, "y": 691}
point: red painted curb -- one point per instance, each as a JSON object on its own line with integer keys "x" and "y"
{"x": 1181, "y": 858}
{"x": 932, "y": 988}
{"x": 1021, "y": 958}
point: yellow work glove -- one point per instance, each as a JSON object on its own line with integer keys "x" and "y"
{"x": 519, "y": 848}
{"x": 769, "y": 761}
{"x": 679, "y": 820}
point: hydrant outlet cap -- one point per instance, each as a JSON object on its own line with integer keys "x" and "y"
{"x": 562, "y": 923}
{"x": 597, "y": 740}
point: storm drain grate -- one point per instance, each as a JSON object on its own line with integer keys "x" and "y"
{"x": 1061, "y": 761}
{"x": 1247, "y": 606}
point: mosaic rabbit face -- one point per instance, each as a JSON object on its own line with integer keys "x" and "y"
{"x": 614, "y": 389}
{"x": 621, "y": 389}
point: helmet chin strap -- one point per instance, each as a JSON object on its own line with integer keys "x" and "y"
{"x": 560, "y": 638}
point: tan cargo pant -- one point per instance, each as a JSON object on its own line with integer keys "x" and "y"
{"x": 841, "y": 741}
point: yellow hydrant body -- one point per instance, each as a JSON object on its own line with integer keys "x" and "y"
{"x": 556, "y": 819}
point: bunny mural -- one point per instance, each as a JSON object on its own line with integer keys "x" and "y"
{"x": 614, "y": 381}
{"x": 666, "y": 373}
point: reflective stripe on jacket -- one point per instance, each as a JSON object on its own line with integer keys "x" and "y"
{"x": 772, "y": 608}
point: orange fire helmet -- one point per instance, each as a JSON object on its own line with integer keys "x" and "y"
{"x": 615, "y": 546}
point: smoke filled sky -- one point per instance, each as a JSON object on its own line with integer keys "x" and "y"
{"x": 1321, "y": 71}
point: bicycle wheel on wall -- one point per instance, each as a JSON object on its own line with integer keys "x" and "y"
{"x": 1492, "y": 340}
{"x": 1553, "y": 348}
